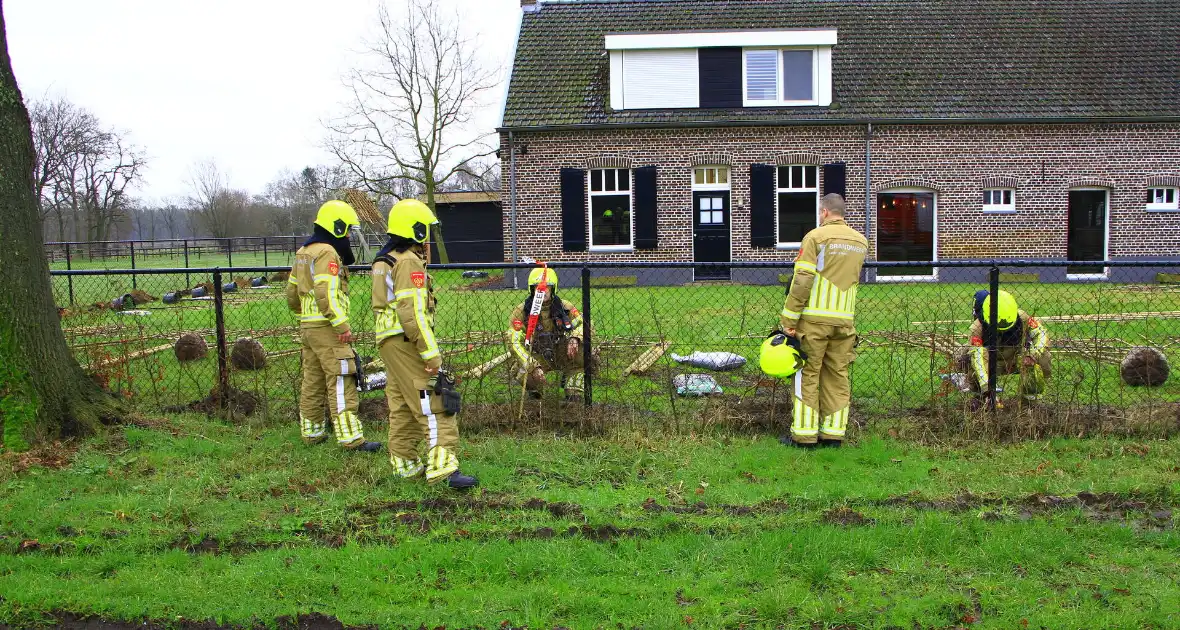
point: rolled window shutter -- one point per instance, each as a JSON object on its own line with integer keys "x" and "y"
{"x": 836, "y": 179}
{"x": 762, "y": 205}
{"x": 646, "y": 226}
{"x": 573, "y": 210}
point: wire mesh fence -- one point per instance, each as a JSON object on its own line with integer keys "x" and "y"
{"x": 207, "y": 339}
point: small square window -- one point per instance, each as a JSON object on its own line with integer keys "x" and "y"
{"x": 999, "y": 200}
{"x": 1163, "y": 198}
{"x": 596, "y": 180}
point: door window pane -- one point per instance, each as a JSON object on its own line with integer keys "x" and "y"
{"x": 705, "y": 216}
{"x": 718, "y": 217}
{"x": 705, "y": 205}
{"x": 797, "y": 75}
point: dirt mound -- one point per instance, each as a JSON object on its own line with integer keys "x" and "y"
{"x": 1144, "y": 366}
{"x": 846, "y": 517}
{"x": 248, "y": 354}
{"x": 54, "y": 456}
{"x": 190, "y": 347}
{"x": 234, "y": 403}
{"x": 139, "y": 296}
{"x": 280, "y": 276}
{"x": 373, "y": 409}
{"x": 242, "y": 282}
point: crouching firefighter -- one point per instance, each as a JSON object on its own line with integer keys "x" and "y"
{"x": 317, "y": 290}
{"x": 423, "y": 402}
{"x": 1022, "y": 347}
{"x": 556, "y": 344}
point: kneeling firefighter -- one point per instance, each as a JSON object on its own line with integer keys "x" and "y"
{"x": 1022, "y": 346}
{"x": 423, "y": 402}
{"x": 317, "y": 290}
{"x": 556, "y": 343}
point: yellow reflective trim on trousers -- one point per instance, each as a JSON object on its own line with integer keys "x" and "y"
{"x": 979, "y": 360}
{"x": 836, "y": 423}
{"x": 805, "y": 419}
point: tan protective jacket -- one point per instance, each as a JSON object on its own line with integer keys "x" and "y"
{"x": 827, "y": 273}
{"x": 317, "y": 289}
{"x": 404, "y": 303}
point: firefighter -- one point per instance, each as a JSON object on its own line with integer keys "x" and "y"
{"x": 1023, "y": 348}
{"x": 556, "y": 343}
{"x": 317, "y": 290}
{"x": 423, "y": 404}
{"x": 819, "y": 311}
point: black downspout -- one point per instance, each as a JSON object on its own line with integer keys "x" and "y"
{"x": 869, "y": 205}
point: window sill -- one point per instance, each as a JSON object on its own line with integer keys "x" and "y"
{"x": 1153, "y": 207}
{"x": 788, "y": 247}
{"x": 604, "y": 249}
{"x": 780, "y": 103}
{"x": 998, "y": 210}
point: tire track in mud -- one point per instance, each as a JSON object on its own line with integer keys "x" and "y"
{"x": 459, "y": 518}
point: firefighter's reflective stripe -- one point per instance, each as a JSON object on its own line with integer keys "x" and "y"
{"x": 309, "y": 309}
{"x": 311, "y": 429}
{"x": 802, "y": 266}
{"x": 827, "y": 300}
{"x": 440, "y": 464}
{"x": 835, "y": 424}
{"x": 348, "y": 428}
{"x": 789, "y": 314}
{"x": 338, "y": 301}
{"x": 516, "y": 339}
{"x": 406, "y": 468}
{"x": 979, "y": 364}
{"x": 805, "y": 422}
{"x": 424, "y": 325}
{"x": 1038, "y": 337}
{"x": 387, "y": 324}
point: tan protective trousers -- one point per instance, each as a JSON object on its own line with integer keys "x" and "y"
{"x": 329, "y": 378}
{"x": 573, "y": 371}
{"x": 416, "y": 414}
{"x": 821, "y": 388}
{"x": 1008, "y": 361}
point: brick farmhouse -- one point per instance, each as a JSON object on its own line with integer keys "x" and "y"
{"x": 707, "y": 130}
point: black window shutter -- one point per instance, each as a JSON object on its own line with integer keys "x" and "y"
{"x": 836, "y": 179}
{"x": 646, "y": 236}
{"x": 762, "y": 205}
{"x": 573, "y": 210}
{"x": 720, "y": 72}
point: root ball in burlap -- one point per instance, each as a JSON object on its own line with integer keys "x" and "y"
{"x": 1144, "y": 366}
{"x": 190, "y": 347}
{"x": 248, "y": 354}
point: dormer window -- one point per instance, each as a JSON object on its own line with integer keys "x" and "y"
{"x": 779, "y": 76}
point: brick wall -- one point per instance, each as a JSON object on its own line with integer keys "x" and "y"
{"x": 956, "y": 161}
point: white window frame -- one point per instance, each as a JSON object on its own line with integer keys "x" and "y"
{"x": 789, "y": 246}
{"x": 933, "y": 277}
{"x": 713, "y": 186}
{"x": 1000, "y": 208}
{"x": 778, "y": 79}
{"x": 591, "y": 194}
{"x": 1165, "y": 207}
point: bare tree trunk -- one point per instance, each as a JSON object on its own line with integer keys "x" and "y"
{"x": 43, "y": 389}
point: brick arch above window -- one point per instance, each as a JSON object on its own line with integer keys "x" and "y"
{"x": 1091, "y": 182}
{"x": 608, "y": 161}
{"x": 711, "y": 159}
{"x": 801, "y": 157}
{"x": 999, "y": 181}
{"x": 912, "y": 182}
{"x": 1163, "y": 180}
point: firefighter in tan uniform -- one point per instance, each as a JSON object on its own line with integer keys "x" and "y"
{"x": 819, "y": 311}
{"x": 423, "y": 405}
{"x": 556, "y": 343}
{"x": 1023, "y": 347}
{"x": 317, "y": 290}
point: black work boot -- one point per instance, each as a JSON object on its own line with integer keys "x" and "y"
{"x": 534, "y": 394}
{"x": 828, "y": 443}
{"x": 459, "y": 481}
{"x": 787, "y": 440}
{"x": 368, "y": 447}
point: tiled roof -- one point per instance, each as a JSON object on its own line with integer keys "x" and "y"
{"x": 896, "y": 59}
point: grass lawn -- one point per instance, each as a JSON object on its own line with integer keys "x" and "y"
{"x": 895, "y": 369}
{"x": 189, "y": 518}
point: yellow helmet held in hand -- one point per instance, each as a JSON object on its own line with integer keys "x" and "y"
{"x": 781, "y": 356}
{"x": 549, "y": 275}
{"x": 410, "y": 218}
{"x": 337, "y": 217}
{"x": 1006, "y": 311}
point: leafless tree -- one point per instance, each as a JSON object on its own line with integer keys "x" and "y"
{"x": 410, "y": 105}
{"x": 212, "y": 206}
{"x": 293, "y": 198}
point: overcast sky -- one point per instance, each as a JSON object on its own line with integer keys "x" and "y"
{"x": 244, "y": 82}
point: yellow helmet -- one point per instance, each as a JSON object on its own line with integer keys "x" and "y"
{"x": 410, "y": 218}
{"x": 337, "y": 217}
{"x": 781, "y": 356}
{"x": 549, "y": 275}
{"x": 1006, "y": 311}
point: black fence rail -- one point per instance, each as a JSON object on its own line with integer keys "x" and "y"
{"x": 667, "y": 352}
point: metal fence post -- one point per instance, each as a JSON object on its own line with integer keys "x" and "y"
{"x": 134, "y": 277}
{"x": 587, "y": 351}
{"x": 993, "y": 336}
{"x": 70, "y": 279}
{"x": 265, "y": 258}
{"x": 219, "y": 314}
{"x": 188, "y": 282}
{"x": 229, "y": 250}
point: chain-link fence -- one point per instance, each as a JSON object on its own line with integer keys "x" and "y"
{"x": 1106, "y": 366}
